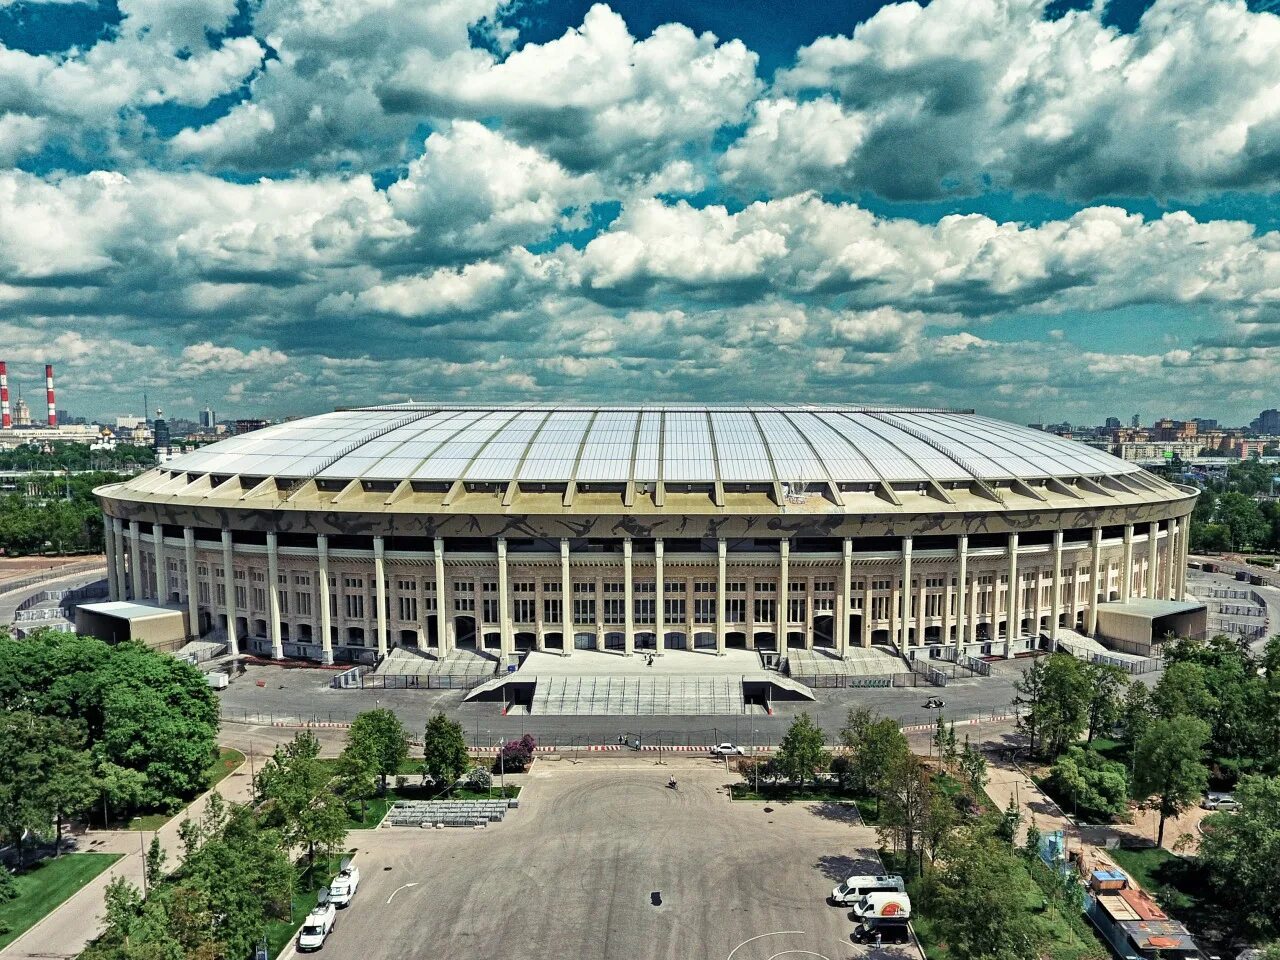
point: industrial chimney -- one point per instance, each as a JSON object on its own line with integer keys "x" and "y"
{"x": 6, "y": 421}
{"x": 48, "y": 389}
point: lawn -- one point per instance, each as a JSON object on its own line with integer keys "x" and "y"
{"x": 304, "y": 899}
{"x": 46, "y": 885}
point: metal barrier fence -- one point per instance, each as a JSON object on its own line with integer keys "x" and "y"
{"x": 844, "y": 681}
{"x": 1252, "y": 631}
{"x": 89, "y": 590}
{"x": 1241, "y": 610}
{"x": 69, "y": 570}
{"x": 360, "y": 679}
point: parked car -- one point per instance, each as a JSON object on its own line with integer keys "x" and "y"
{"x": 344, "y": 885}
{"x": 1214, "y": 800}
{"x": 727, "y": 750}
{"x": 889, "y": 929}
{"x": 317, "y": 927}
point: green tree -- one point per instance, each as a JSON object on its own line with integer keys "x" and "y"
{"x": 444, "y": 750}
{"x": 379, "y": 736}
{"x": 1136, "y": 713}
{"x": 1085, "y": 779}
{"x": 153, "y": 867}
{"x": 1064, "y": 707}
{"x": 802, "y": 753}
{"x": 871, "y": 743}
{"x": 25, "y": 740}
{"x": 1029, "y": 693}
{"x": 1010, "y": 820}
{"x": 1240, "y": 851}
{"x": 354, "y": 780}
{"x": 906, "y": 794}
{"x": 974, "y": 767}
{"x": 293, "y": 787}
{"x": 121, "y": 788}
{"x": 1169, "y": 766}
{"x": 1106, "y": 682}
{"x": 69, "y": 788}
{"x": 977, "y": 903}
{"x": 1183, "y": 690}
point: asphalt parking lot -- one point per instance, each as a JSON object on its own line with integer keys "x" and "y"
{"x": 603, "y": 862}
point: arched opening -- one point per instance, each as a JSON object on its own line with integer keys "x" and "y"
{"x": 766, "y": 640}
{"x": 824, "y": 631}
{"x": 879, "y": 638}
{"x": 911, "y": 636}
{"x": 175, "y": 597}
{"x": 584, "y": 641}
{"x": 409, "y": 638}
{"x": 553, "y": 641}
{"x": 983, "y": 633}
{"x": 433, "y": 632}
{"x": 1114, "y": 595}
{"x": 526, "y": 641}
{"x": 259, "y": 628}
{"x": 1044, "y": 625}
{"x": 735, "y": 640}
{"x": 1062, "y": 619}
{"x": 464, "y": 629}
{"x": 646, "y": 641}
{"x": 1080, "y": 620}
{"x": 704, "y": 640}
{"x": 206, "y": 622}
{"x": 932, "y": 635}
{"x": 304, "y": 633}
{"x": 795, "y": 639}
{"x": 1002, "y": 630}
{"x": 355, "y": 636}
{"x": 675, "y": 640}
{"x": 615, "y": 641}
{"x": 1026, "y": 626}
{"x": 951, "y": 635}
{"x": 493, "y": 640}
{"x": 284, "y": 631}
{"x": 855, "y": 629}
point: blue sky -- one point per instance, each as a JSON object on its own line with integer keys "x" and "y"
{"x": 1038, "y": 209}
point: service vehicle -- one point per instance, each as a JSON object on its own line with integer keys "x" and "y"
{"x": 317, "y": 927}
{"x": 727, "y": 750}
{"x": 344, "y": 885}
{"x": 888, "y": 929}
{"x": 855, "y": 888}
{"x": 881, "y": 904}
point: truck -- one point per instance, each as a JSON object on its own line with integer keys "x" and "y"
{"x": 881, "y": 904}
{"x": 855, "y": 888}
{"x": 344, "y": 885}
{"x": 317, "y": 927}
{"x": 888, "y": 929}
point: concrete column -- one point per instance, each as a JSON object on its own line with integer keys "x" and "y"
{"x": 902, "y": 606}
{"x": 273, "y": 598}
{"x": 326, "y": 619}
{"x": 109, "y": 548}
{"x": 380, "y": 594}
{"x": 659, "y": 593}
{"x": 1153, "y": 539}
{"x": 962, "y": 590}
{"x": 628, "y": 592}
{"x": 506, "y": 634}
{"x": 1171, "y": 553}
{"x": 442, "y": 608}
{"x": 118, "y": 558}
{"x": 784, "y": 592}
{"x": 973, "y": 605}
{"x": 1126, "y": 565}
{"x": 162, "y": 575}
{"x": 229, "y": 594}
{"x": 193, "y": 590}
{"x": 1182, "y": 562}
{"x": 566, "y": 601}
{"x": 1037, "y": 604}
{"x": 1056, "y": 595}
{"x": 136, "y": 589}
{"x": 843, "y": 611}
{"x": 1095, "y": 562}
{"x": 920, "y": 597}
{"x": 866, "y": 610}
{"x": 1012, "y": 600}
{"x": 721, "y": 563}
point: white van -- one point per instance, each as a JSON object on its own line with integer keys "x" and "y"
{"x": 882, "y": 904}
{"x": 317, "y": 927}
{"x": 855, "y": 888}
{"x": 344, "y": 885}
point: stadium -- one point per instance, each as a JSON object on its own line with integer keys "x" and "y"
{"x": 649, "y": 528}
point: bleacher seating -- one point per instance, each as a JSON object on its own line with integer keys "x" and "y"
{"x": 638, "y": 696}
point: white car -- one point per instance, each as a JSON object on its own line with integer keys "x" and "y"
{"x": 344, "y": 886}
{"x": 317, "y": 927}
{"x": 727, "y": 750}
{"x": 1220, "y": 801}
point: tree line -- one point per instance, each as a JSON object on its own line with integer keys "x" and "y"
{"x": 89, "y": 727}
{"x": 56, "y": 515}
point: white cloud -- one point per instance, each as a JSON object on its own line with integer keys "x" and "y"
{"x": 207, "y": 357}
{"x": 925, "y": 100}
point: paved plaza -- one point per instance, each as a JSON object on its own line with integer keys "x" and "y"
{"x": 603, "y": 862}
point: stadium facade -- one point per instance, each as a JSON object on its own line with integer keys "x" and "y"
{"x": 643, "y": 528}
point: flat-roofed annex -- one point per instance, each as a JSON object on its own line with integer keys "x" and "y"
{"x": 671, "y": 444}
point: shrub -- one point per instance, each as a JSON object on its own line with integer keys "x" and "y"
{"x": 478, "y": 778}
{"x": 8, "y": 889}
{"x": 516, "y": 755}
{"x": 1091, "y": 782}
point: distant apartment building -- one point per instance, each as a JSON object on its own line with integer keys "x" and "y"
{"x": 1267, "y": 422}
{"x": 1155, "y": 451}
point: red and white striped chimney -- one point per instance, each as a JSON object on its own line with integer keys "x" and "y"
{"x": 6, "y": 421}
{"x": 48, "y": 389}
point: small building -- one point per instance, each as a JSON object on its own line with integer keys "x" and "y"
{"x": 160, "y": 628}
{"x": 1134, "y": 926}
{"x": 1137, "y": 625}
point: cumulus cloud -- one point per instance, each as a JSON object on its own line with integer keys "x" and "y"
{"x": 922, "y": 101}
{"x": 201, "y": 357}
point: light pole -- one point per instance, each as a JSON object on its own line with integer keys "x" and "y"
{"x": 755, "y": 761}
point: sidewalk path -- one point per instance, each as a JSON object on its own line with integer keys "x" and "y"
{"x": 69, "y": 928}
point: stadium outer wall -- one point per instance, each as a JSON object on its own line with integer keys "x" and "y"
{"x": 343, "y": 573}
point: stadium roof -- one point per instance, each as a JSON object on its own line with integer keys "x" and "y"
{"x": 672, "y": 443}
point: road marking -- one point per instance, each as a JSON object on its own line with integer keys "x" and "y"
{"x": 776, "y": 933}
{"x": 807, "y": 953}
{"x": 399, "y": 888}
